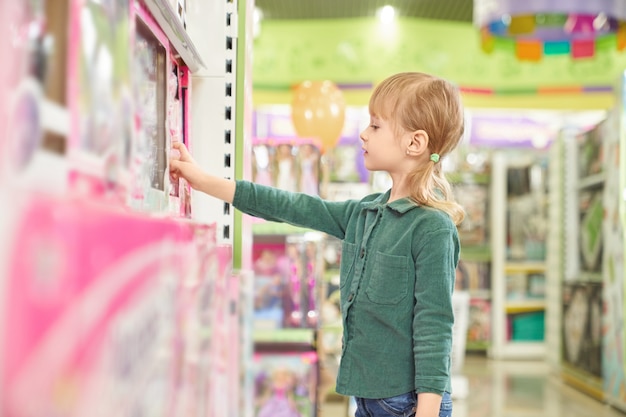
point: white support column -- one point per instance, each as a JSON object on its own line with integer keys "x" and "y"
{"x": 554, "y": 257}
{"x": 212, "y": 25}
{"x": 497, "y": 210}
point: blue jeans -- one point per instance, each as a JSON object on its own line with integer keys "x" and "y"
{"x": 400, "y": 406}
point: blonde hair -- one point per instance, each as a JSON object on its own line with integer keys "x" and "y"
{"x": 417, "y": 101}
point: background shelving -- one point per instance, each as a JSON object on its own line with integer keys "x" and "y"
{"x": 583, "y": 279}
{"x": 471, "y": 190}
{"x": 518, "y": 224}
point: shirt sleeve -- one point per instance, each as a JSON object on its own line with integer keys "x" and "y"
{"x": 433, "y": 312}
{"x": 298, "y": 209}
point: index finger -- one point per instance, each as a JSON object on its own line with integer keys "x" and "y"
{"x": 182, "y": 149}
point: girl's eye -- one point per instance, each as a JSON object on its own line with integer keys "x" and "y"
{"x": 374, "y": 127}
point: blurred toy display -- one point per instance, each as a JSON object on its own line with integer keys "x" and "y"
{"x": 287, "y": 277}
{"x": 110, "y": 304}
{"x": 285, "y": 384}
{"x": 288, "y": 164}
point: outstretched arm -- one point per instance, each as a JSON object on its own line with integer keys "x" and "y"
{"x": 186, "y": 167}
{"x": 268, "y": 203}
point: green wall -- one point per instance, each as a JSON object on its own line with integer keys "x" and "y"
{"x": 362, "y": 51}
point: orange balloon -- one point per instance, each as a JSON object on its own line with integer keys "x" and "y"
{"x": 318, "y": 110}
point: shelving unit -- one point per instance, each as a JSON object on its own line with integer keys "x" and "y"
{"x": 156, "y": 321}
{"x": 288, "y": 267}
{"x": 614, "y": 227}
{"x": 585, "y": 154}
{"x": 473, "y": 272}
{"x": 517, "y": 266}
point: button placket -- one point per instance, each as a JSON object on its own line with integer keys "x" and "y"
{"x": 371, "y": 220}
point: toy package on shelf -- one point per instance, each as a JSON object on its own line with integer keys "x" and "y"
{"x": 197, "y": 305}
{"x": 474, "y": 198}
{"x": 582, "y": 326}
{"x": 244, "y": 379}
{"x": 161, "y": 93}
{"x": 526, "y": 211}
{"x": 105, "y": 309}
{"x": 591, "y": 155}
{"x": 270, "y": 280}
{"x": 223, "y": 357}
{"x": 473, "y": 276}
{"x": 285, "y": 160}
{"x": 613, "y": 368}
{"x": 291, "y": 164}
{"x": 33, "y": 97}
{"x": 95, "y": 115}
{"x": 113, "y": 321}
{"x": 100, "y": 101}
{"x": 591, "y": 216}
{"x": 524, "y": 285}
{"x": 591, "y": 162}
{"x": 479, "y": 324}
{"x": 285, "y": 384}
{"x": 287, "y": 276}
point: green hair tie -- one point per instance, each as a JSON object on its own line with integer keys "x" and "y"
{"x": 434, "y": 157}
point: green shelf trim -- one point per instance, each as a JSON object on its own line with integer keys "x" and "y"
{"x": 476, "y": 346}
{"x": 304, "y": 336}
{"x": 273, "y": 228}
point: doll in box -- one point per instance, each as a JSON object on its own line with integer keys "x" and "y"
{"x": 285, "y": 167}
{"x": 295, "y": 290}
{"x": 261, "y": 168}
{"x": 309, "y": 169}
{"x": 280, "y": 401}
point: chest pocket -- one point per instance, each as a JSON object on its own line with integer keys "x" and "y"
{"x": 389, "y": 282}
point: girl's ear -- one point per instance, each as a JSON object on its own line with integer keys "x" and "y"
{"x": 419, "y": 143}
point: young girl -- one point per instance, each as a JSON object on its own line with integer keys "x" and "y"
{"x": 399, "y": 251}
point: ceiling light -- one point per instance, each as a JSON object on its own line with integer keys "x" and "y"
{"x": 386, "y": 14}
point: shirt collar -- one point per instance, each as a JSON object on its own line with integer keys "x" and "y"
{"x": 401, "y": 206}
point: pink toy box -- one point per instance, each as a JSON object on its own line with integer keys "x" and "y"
{"x": 96, "y": 310}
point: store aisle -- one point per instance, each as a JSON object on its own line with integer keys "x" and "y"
{"x": 524, "y": 388}
{"x": 513, "y": 389}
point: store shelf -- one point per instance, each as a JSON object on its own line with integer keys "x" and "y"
{"x": 283, "y": 339}
{"x": 527, "y": 267}
{"x": 583, "y": 381}
{"x": 262, "y": 227}
{"x": 478, "y": 346}
{"x": 518, "y": 286}
{"x": 524, "y": 306}
{"x": 471, "y": 190}
{"x": 167, "y": 18}
{"x": 595, "y": 180}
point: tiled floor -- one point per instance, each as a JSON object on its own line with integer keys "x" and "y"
{"x": 523, "y": 389}
{"x": 511, "y": 389}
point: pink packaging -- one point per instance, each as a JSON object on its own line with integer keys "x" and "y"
{"x": 90, "y": 320}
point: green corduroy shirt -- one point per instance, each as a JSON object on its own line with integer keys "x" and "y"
{"x": 398, "y": 268}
